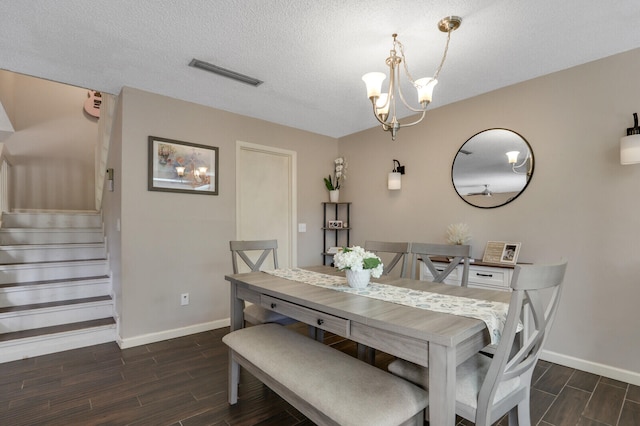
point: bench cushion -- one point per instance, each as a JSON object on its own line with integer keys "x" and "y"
{"x": 348, "y": 391}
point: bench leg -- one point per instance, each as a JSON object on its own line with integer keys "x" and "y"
{"x": 234, "y": 378}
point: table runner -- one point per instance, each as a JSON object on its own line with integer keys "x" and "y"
{"x": 494, "y": 314}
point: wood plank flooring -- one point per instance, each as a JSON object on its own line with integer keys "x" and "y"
{"x": 183, "y": 382}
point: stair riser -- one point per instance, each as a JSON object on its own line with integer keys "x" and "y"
{"x": 56, "y": 271}
{"x": 39, "y": 318}
{"x": 42, "y": 293}
{"x": 26, "y": 254}
{"x": 50, "y": 220}
{"x": 48, "y": 344}
{"x": 18, "y": 236}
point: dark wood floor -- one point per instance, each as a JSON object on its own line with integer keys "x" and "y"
{"x": 184, "y": 382}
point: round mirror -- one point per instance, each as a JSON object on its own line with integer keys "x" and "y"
{"x": 492, "y": 168}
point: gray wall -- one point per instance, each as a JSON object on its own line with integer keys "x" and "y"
{"x": 581, "y": 203}
{"x": 177, "y": 243}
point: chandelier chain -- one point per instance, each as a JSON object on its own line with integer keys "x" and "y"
{"x": 404, "y": 59}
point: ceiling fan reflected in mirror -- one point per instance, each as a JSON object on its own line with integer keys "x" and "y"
{"x": 485, "y": 192}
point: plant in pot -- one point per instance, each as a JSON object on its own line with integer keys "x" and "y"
{"x": 334, "y": 182}
{"x": 359, "y": 265}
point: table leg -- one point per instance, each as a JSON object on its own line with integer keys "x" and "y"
{"x": 442, "y": 385}
{"x": 236, "y": 323}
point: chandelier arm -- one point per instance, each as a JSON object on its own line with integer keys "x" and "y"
{"x": 414, "y": 122}
{"x": 375, "y": 113}
{"x": 444, "y": 56}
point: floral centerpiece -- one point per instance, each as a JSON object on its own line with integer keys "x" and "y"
{"x": 333, "y": 183}
{"x": 359, "y": 265}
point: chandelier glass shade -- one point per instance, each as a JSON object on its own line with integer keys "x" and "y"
{"x": 384, "y": 103}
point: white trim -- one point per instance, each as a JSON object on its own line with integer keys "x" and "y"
{"x": 293, "y": 191}
{"x": 615, "y": 373}
{"x": 171, "y": 334}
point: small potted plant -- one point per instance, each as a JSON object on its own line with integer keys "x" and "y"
{"x": 359, "y": 265}
{"x": 334, "y": 182}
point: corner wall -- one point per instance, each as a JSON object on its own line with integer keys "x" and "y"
{"x": 53, "y": 147}
{"x": 581, "y": 203}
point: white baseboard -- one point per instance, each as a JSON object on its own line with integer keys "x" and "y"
{"x": 171, "y": 334}
{"x": 615, "y": 373}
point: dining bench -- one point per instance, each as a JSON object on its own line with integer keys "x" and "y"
{"x": 325, "y": 384}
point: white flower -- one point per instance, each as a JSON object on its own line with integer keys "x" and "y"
{"x": 357, "y": 259}
{"x": 458, "y": 233}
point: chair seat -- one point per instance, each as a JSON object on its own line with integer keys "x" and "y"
{"x": 256, "y": 314}
{"x": 469, "y": 378}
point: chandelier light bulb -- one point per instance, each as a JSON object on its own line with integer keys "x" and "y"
{"x": 513, "y": 156}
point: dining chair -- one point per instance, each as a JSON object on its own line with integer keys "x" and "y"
{"x": 459, "y": 253}
{"x": 400, "y": 251}
{"x": 488, "y": 388}
{"x": 245, "y": 250}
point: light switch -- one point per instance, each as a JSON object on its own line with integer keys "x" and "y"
{"x": 302, "y": 227}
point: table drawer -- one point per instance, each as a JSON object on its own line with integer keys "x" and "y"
{"x": 489, "y": 277}
{"x": 330, "y": 323}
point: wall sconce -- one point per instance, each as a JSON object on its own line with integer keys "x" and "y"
{"x": 630, "y": 144}
{"x": 395, "y": 177}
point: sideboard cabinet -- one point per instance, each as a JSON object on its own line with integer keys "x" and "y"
{"x": 481, "y": 275}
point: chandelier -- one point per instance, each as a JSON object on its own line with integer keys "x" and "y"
{"x": 384, "y": 103}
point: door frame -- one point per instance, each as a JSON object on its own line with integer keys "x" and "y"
{"x": 292, "y": 190}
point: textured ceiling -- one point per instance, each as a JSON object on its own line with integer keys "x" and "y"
{"x": 310, "y": 53}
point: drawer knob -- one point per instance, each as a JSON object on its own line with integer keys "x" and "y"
{"x": 320, "y": 321}
{"x": 484, "y": 275}
{"x": 273, "y": 306}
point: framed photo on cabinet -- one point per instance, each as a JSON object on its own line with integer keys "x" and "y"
{"x": 501, "y": 252}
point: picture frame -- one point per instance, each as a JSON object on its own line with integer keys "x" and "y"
{"x": 501, "y": 252}
{"x": 335, "y": 224}
{"x": 179, "y": 166}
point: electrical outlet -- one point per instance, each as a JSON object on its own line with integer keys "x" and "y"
{"x": 184, "y": 299}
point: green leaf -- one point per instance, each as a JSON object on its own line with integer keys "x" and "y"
{"x": 328, "y": 183}
{"x": 370, "y": 263}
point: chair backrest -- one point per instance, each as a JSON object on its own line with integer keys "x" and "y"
{"x": 516, "y": 355}
{"x": 401, "y": 251}
{"x": 239, "y": 249}
{"x": 459, "y": 253}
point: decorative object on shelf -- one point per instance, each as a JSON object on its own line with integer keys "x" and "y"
{"x": 335, "y": 224}
{"x": 501, "y": 252}
{"x": 383, "y": 102}
{"x": 395, "y": 176}
{"x": 630, "y": 144}
{"x": 177, "y": 166}
{"x": 355, "y": 259}
{"x": 333, "y": 183}
{"x": 458, "y": 233}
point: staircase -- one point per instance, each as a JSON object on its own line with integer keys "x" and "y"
{"x": 55, "y": 289}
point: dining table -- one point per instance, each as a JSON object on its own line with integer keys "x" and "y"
{"x": 432, "y": 338}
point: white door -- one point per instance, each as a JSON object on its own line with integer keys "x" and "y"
{"x": 265, "y": 198}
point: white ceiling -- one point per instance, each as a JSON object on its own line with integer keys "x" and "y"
{"x": 309, "y": 53}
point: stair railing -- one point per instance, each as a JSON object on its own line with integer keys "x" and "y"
{"x": 5, "y": 178}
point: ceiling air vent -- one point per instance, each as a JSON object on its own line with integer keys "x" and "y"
{"x": 196, "y": 63}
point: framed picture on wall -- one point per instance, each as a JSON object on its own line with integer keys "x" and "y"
{"x": 178, "y": 166}
{"x": 501, "y": 252}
